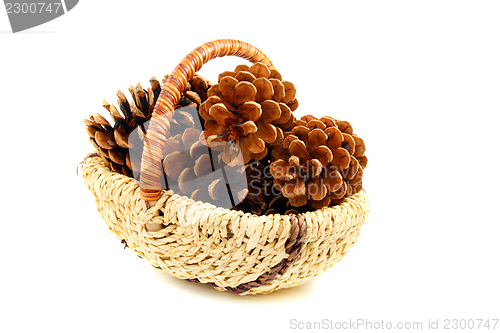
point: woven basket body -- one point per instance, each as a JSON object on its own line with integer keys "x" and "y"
{"x": 228, "y": 249}
{"x": 198, "y": 242}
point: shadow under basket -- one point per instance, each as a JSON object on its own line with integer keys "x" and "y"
{"x": 230, "y": 250}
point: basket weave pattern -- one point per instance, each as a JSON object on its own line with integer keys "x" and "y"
{"x": 228, "y": 249}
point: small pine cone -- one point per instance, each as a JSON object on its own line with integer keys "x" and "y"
{"x": 183, "y": 118}
{"x": 200, "y": 86}
{"x": 246, "y": 112}
{"x": 114, "y": 141}
{"x": 259, "y": 191}
{"x": 194, "y": 170}
{"x": 196, "y": 89}
{"x": 320, "y": 162}
{"x": 281, "y": 205}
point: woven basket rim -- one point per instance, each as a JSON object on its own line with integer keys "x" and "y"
{"x": 166, "y": 194}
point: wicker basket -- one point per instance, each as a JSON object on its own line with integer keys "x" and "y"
{"x": 227, "y": 249}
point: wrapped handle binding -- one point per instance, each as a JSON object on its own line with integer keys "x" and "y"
{"x": 151, "y": 165}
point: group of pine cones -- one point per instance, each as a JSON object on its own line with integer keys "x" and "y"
{"x": 237, "y": 144}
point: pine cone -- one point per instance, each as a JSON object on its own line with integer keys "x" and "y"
{"x": 196, "y": 90}
{"x": 114, "y": 142}
{"x": 196, "y": 171}
{"x": 259, "y": 188}
{"x": 281, "y": 205}
{"x": 320, "y": 162}
{"x": 246, "y": 110}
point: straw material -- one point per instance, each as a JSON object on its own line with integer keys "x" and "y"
{"x": 230, "y": 250}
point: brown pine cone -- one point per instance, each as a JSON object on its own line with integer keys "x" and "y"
{"x": 114, "y": 142}
{"x": 259, "y": 190}
{"x": 246, "y": 110}
{"x": 320, "y": 162}
{"x": 194, "y": 170}
{"x": 196, "y": 89}
{"x": 200, "y": 86}
{"x": 281, "y": 205}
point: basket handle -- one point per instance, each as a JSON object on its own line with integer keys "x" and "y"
{"x": 151, "y": 166}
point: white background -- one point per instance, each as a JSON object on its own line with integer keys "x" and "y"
{"x": 418, "y": 80}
